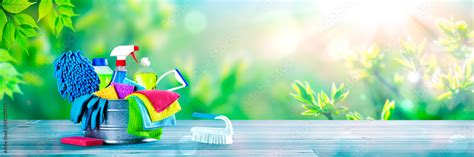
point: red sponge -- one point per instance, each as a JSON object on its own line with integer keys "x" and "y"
{"x": 82, "y": 141}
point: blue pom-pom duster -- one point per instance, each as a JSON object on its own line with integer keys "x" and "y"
{"x": 75, "y": 75}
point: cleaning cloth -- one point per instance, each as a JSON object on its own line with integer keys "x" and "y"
{"x": 157, "y": 116}
{"x": 160, "y": 99}
{"x": 135, "y": 123}
{"x": 123, "y": 89}
{"x": 133, "y": 83}
{"x": 147, "y": 123}
{"x": 107, "y": 93}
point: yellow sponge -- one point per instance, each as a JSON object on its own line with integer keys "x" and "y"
{"x": 107, "y": 93}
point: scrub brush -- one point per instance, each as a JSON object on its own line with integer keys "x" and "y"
{"x": 213, "y": 135}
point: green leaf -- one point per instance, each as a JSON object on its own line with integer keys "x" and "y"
{"x": 5, "y": 56}
{"x": 9, "y": 92}
{"x": 445, "y": 96}
{"x": 308, "y": 112}
{"x": 353, "y": 116}
{"x": 296, "y": 89}
{"x": 63, "y": 3}
{"x": 343, "y": 96}
{"x": 67, "y": 22}
{"x": 50, "y": 20}
{"x": 28, "y": 32}
{"x": 333, "y": 90}
{"x": 467, "y": 70}
{"x": 387, "y": 109}
{"x": 66, "y": 11}
{"x": 9, "y": 34}
{"x": 300, "y": 99}
{"x": 340, "y": 110}
{"x": 405, "y": 63}
{"x": 3, "y": 21}
{"x": 341, "y": 93}
{"x": 16, "y": 89}
{"x": 2, "y": 92}
{"x": 25, "y": 20}
{"x": 7, "y": 70}
{"x": 325, "y": 98}
{"x": 22, "y": 40}
{"x": 58, "y": 26}
{"x": 15, "y": 6}
{"x": 45, "y": 7}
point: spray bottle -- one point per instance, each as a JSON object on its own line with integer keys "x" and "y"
{"x": 145, "y": 75}
{"x": 101, "y": 67}
{"x": 122, "y": 52}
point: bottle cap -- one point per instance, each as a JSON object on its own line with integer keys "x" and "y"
{"x": 99, "y": 62}
{"x": 145, "y": 61}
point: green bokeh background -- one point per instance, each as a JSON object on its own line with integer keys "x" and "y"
{"x": 240, "y": 57}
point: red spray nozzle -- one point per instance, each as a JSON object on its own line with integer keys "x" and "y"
{"x": 122, "y": 51}
{"x": 134, "y": 57}
{"x": 135, "y": 48}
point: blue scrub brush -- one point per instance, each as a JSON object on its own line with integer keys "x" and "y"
{"x": 75, "y": 75}
{"x": 213, "y": 135}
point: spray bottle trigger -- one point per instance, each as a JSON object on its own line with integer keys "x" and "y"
{"x": 134, "y": 57}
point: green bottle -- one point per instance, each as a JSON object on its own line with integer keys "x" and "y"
{"x": 101, "y": 67}
{"x": 145, "y": 75}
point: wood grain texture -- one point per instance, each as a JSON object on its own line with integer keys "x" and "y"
{"x": 262, "y": 138}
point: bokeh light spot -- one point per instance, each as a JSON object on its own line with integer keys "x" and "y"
{"x": 195, "y": 22}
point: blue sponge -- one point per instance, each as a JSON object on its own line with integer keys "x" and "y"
{"x": 75, "y": 75}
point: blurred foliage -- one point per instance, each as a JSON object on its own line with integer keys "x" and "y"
{"x": 458, "y": 80}
{"x": 388, "y": 107}
{"x": 320, "y": 104}
{"x": 368, "y": 62}
{"x": 458, "y": 40}
{"x": 426, "y": 92}
{"x": 9, "y": 77}
{"x": 34, "y": 33}
{"x": 57, "y": 15}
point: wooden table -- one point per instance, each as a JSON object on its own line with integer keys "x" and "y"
{"x": 262, "y": 138}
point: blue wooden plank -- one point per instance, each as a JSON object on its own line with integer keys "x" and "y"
{"x": 265, "y": 138}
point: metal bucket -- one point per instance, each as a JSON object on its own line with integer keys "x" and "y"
{"x": 114, "y": 129}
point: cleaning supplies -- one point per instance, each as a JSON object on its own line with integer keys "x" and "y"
{"x": 157, "y": 116}
{"x": 75, "y": 75}
{"x": 123, "y": 89}
{"x": 213, "y": 135}
{"x": 122, "y": 52}
{"x": 145, "y": 75}
{"x": 89, "y": 109}
{"x": 177, "y": 76}
{"x": 107, "y": 93}
{"x": 101, "y": 67}
{"x": 160, "y": 99}
{"x": 79, "y": 107}
{"x": 135, "y": 123}
{"x": 147, "y": 123}
{"x": 82, "y": 141}
{"x": 133, "y": 83}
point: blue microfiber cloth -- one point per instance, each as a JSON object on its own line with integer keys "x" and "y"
{"x": 147, "y": 123}
{"x": 75, "y": 75}
{"x": 133, "y": 83}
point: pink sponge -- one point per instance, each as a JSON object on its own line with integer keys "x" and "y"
{"x": 123, "y": 89}
{"x": 82, "y": 141}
